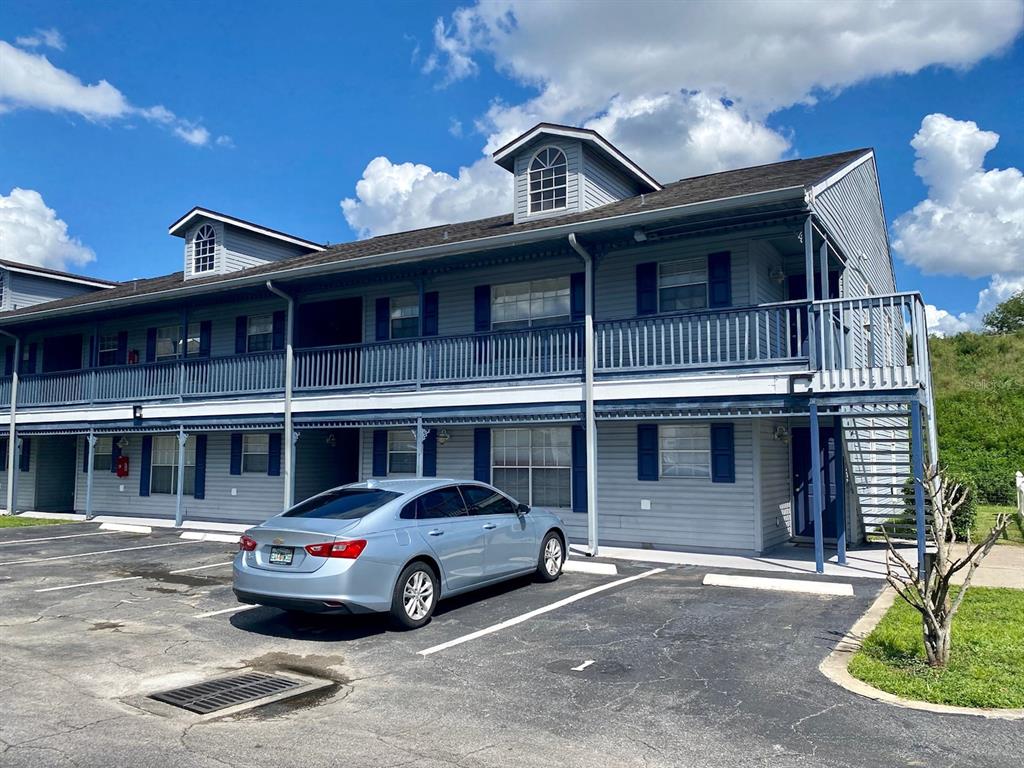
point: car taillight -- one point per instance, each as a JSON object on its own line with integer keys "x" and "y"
{"x": 349, "y": 550}
{"x": 246, "y": 544}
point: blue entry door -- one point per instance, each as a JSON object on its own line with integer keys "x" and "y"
{"x": 803, "y": 480}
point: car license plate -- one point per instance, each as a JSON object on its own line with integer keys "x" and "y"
{"x": 281, "y": 555}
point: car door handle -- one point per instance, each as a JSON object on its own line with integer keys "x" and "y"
{"x": 490, "y": 526}
{"x": 435, "y": 532}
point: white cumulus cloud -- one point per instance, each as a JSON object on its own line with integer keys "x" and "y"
{"x": 683, "y": 88}
{"x": 971, "y": 223}
{"x": 29, "y": 80}
{"x": 31, "y": 233}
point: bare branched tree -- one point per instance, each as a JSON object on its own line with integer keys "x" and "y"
{"x": 928, "y": 592}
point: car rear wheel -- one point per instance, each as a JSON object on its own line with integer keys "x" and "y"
{"x": 552, "y": 555}
{"x": 415, "y": 596}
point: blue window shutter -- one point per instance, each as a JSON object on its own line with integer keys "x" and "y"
{"x": 3, "y": 453}
{"x": 30, "y": 366}
{"x": 579, "y": 469}
{"x": 380, "y": 453}
{"x": 121, "y": 356}
{"x": 241, "y": 335}
{"x": 25, "y": 460}
{"x": 150, "y": 345}
{"x": 647, "y": 288}
{"x": 8, "y": 361}
{"x": 205, "y": 338}
{"x": 719, "y": 279}
{"x": 274, "y": 454}
{"x": 279, "y": 329}
{"x": 430, "y": 454}
{"x": 92, "y": 362}
{"x": 577, "y": 296}
{"x": 200, "y": 483}
{"x": 115, "y": 452}
{"x": 647, "y": 452}
{"x": 482, "y": 451}
{"x": 382, "y": 316}
{"x": 146, "y": 464}
{"x": 723, "y": 454}
{"x": 236, "y": 454}
{"x": 482, "y": 308}
{"x": 85, "y": 455}
{"x": 431, "y": 302}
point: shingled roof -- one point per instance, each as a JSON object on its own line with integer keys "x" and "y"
{"x": 714, "y": 186}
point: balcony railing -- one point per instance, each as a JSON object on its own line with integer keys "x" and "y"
{"x": 867, "y": 343}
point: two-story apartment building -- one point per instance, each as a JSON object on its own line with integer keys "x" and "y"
{"x": 721, "y": 363}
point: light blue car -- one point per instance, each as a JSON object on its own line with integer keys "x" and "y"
{"x": 394, "y": 545}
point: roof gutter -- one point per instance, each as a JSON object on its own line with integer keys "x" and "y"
{"x": 636, "y": 218}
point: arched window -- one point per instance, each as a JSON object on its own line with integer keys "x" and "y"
{"x": 203, "y": 248}
{"x": 547, "y": 180}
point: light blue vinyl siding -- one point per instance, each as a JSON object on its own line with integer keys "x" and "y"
{"x": 26, "y": 482}
{"x": 237, "y": 249}
{"x": 23, "y": 290}
{"x": 776, "y": 488}
{"x": 603, "y": 184}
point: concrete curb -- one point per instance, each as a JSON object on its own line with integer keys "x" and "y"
{"x": 203, "y": 536}
{"x": 125, "y": 528}
{"x": 804, "y": 586}
{"x": 836, "y": 668}
{"x": 583, "y": 566}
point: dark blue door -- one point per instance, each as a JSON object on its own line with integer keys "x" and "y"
{"x": 803, "y": 516}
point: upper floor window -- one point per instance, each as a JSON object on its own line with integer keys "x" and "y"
{"x": 203, "y": 246}
{"x": 108, "y": 349}
{"x": 168, "y": 343}
{"x": 534, "y": 302}
{"x": 405, "y": 317}
{"x": 683, "y": 285}
{"x": 260, "y": 333}
{"x": 547, "y": 180}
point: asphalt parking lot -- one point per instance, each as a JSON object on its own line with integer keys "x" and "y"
{"x": 654, "y": 671}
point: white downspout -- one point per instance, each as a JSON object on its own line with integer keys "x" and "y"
{"x": 12, "y": 431}
{"x": 287, "y": 471}
{"x": 590, "y": 423}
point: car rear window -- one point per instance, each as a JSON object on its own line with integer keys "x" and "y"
{"x": 343, "y": 504}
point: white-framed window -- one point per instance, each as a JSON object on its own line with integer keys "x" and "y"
{"x": 256, "y": 453}
{"x": 683, "y": 285}
{"x": 684, "y": 450}
{"x": 107, "y": 349}
{"x": 163, "y": 476}
{"x": 547, "y": 180}
{"x": 168, "y": 345}
{"x": 259, "y": 333}
{"x": 401, "y": 452}
{"x": 533, "y": 465}
{"x": 405, "y": 317}
{"x": 204, "y": 247}
{"x": 533, "y": 302}
{"x": 101, "y": 453}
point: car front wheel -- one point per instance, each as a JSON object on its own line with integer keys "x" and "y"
{"x": 552, "y": 555}
{"x": 415, "y": 596}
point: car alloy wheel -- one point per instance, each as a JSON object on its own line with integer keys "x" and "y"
{"x": 553, "y": 556}
{"x": 418, "y": 595}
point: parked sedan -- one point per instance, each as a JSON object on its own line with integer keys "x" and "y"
{"x": 396, "y": 546}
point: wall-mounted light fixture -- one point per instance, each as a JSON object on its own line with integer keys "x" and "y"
{"x": 443, "y": 437}
{"x": 639, "y": 235}
{"x": 331, "y": 440}
{"x": 781, "y": 434}
{"x": 776, "y": 275}
{"x": 122, "y": 443}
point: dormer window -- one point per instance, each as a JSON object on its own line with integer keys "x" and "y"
{"x": 203, "y": 247}
{"x": 547, "y": 180}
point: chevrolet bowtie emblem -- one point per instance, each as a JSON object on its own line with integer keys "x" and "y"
{"x": 279, "y": 541}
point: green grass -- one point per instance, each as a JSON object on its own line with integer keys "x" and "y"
{"x": 986, "y": 518}
{"x": 16, "y": 521}
{"x": 986, "y": 666}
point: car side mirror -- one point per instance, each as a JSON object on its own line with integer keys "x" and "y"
{"x": 522, "y": 509}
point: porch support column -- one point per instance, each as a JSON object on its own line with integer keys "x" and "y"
{"x": 421, "y": 434}
{"x": 90, "y": 446}
{"x": 917, "y": 459}
{"x": 179, "y": 511}
{"x": 840, "y": 470}
{"x": 816, "y": 492}
{"x": 12, "y": 432}
{"x": 812, "y": 341}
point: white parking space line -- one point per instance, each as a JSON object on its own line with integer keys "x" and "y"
{"x": 583, "y": 666}
{"x": 539, "y": 611}
{"x": 201, "y": 567}
{"x": 57, "y": 538}
{"x": 94, "y": 554}
{"x": 236, "y": 609}
{"x": 88, "y": 584}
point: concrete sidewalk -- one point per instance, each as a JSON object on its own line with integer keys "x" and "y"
{"x": 1004, "y": 567}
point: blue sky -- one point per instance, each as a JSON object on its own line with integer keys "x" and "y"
{"x": 292, "y": 101}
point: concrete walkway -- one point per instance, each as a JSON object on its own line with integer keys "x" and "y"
{"x": 1004, "y": 567}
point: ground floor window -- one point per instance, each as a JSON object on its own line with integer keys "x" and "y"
{"x": 685, "y": 450}
{"x": 256, "y": 453}
{"x": 164, "y": 471}
{"x": 534, "y": 465}
{"x": 102, "y": 454}
{"x": 401, "y": 452}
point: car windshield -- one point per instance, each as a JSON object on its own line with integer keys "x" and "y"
{"x": 343, "y": 504}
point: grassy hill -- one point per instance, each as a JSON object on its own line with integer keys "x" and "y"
{"x": 979, "y": 407}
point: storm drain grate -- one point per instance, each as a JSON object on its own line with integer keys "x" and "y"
{"x": 204, "y": 698}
